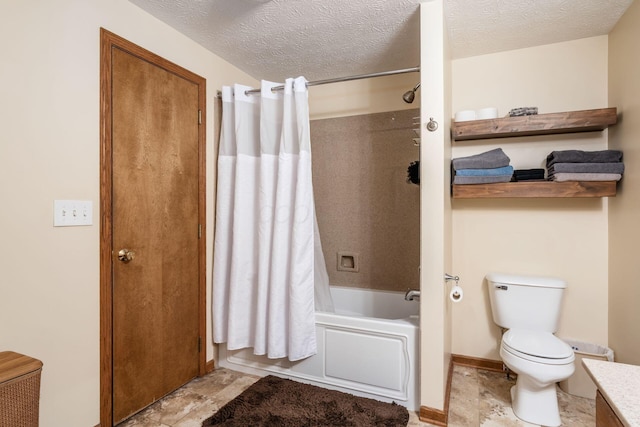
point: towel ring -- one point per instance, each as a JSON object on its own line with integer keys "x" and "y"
{"x": 432, "y": 126}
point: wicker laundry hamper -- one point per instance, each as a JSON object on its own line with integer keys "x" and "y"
{"x": 19, "y": 390}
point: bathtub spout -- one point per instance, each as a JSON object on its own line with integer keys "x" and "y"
{"x": 411, "y": 294}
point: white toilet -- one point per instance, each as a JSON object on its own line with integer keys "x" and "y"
{"x": 529, "y": 307}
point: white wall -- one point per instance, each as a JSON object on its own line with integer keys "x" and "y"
{"x": 367, "y": 96}
{"x": 49, "y": 149}
{"x": 435, "y": 209}
{"x": 566, "y": 238}
{"x": 624, "y": 210}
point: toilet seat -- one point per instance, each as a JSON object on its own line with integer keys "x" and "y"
{"x": 537, "y": 346}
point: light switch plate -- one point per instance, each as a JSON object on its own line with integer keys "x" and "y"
{"x": 69, "y": 213}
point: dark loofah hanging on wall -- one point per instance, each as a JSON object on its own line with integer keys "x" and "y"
{"x": 413, "y": 173}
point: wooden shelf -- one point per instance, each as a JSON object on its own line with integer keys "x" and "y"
{"x": 539, "y": 124}
{"x": 535, "y": 189}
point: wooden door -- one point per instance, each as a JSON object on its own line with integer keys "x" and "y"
{"x": 156, "y": 215}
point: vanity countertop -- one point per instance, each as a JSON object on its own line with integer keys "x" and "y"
{"x": 619, "y": 383}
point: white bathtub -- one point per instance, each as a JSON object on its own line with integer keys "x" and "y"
{"x": 369, "y": 348}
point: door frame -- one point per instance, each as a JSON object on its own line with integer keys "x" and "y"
{"x": 109, "y": 41}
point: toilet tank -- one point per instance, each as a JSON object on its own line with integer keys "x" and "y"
{"x": 527, "y": 302}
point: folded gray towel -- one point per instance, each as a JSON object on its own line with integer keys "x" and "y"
{"x": 507, "y": 170}
{"x": 487, "y": 160}
{"x": 561, "y": 177}
{"x": 587, "y": 168}
{"x": 578, "y": 156}
{"x": 458, "y": 179}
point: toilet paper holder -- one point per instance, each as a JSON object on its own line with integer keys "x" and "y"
{"x": 456, "y": 293}
{"x": 448, "y": 277}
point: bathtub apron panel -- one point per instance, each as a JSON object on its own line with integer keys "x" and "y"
{"x": 365, "y": 356}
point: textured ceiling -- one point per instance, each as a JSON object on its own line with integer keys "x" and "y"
{"x": 274, "y": 39}
{"x": 485, "y": 26}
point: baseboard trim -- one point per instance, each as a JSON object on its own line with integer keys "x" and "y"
{"x": 433, "y": 416}
{"x": 477, "y": 362}
{"x": 210, "y": 366}
{"x": 436, "y": 416}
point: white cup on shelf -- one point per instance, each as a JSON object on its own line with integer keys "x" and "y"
{"x": 465, "y": 115}
{"x": 487, "y": 113}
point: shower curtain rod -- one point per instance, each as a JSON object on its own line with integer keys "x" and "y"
{"x": 344, "y": 79}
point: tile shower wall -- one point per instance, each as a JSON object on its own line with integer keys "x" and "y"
{"x": 367, "y": 211}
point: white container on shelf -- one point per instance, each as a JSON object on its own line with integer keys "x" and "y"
{"x": 487, "y": 113}
{"x": 465, "y": 115}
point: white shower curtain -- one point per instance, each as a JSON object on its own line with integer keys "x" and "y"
{"x": 268, "y": 261}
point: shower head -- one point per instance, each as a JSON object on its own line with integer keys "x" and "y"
{"x": 410, "y": 95}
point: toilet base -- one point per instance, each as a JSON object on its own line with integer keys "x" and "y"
{"x": 536, "y": 407}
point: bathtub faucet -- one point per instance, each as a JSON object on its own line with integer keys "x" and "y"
{"x": 411, "y": 294}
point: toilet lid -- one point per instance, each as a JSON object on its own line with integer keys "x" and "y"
{"x": 537, "y": 343}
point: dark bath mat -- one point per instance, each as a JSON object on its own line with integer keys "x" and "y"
{"x": 279, "y": 402}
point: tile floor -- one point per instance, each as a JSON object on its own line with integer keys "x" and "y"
{"x": 478, "y": 398}
{"x": 482, "y": 398}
